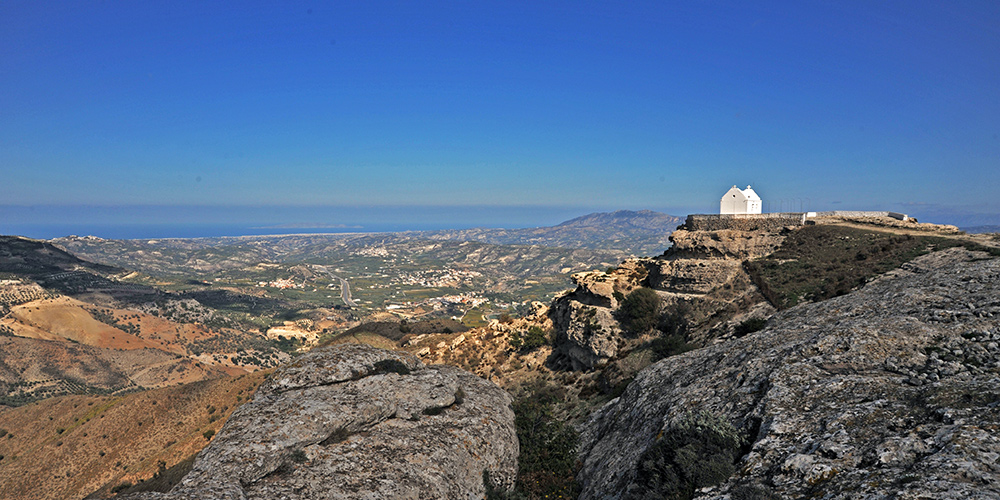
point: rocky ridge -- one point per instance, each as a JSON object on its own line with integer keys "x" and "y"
{"x": 888, "y": 392}
{"x": 702, "y": 271}
{"x": 352, "y": 421}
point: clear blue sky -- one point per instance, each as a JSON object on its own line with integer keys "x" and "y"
{"x": 596, "y": 105}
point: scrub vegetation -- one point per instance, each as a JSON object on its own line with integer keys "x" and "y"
{"x": 823, "y": 261}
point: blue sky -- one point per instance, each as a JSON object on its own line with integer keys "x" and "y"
{"x": 588, "y": 105}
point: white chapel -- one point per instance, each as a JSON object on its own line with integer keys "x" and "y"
{"x": 740, "y": 201}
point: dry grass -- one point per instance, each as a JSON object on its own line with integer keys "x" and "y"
{"x": 71, "y": 446}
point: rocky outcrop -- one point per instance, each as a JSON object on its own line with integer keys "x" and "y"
{"x": 891, "y": 391}
{"x": 352, "y": 421}
{"x": 588, "y": 335}
{"x": 724, "y": 244}
{"x": 703, "y": 270}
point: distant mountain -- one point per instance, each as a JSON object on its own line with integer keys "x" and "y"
{"x": 641, "y": 219}
{"x": 642, "y": 232}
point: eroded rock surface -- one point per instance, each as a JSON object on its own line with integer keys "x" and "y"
{"x": 889, "y": 392}
{"x": 352, "y": 422}
{"x": 703, "y": 270}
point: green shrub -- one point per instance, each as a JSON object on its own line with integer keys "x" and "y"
{"x": 638, "y": 312}
{"x": 208, "y": 434}
{"x": 669, "y": 345}
{"x": 674, "y": 320}
{"x": 298, "y": 456}
{"x": 700, "y": 450}
{"x": 547, "y": 462}
{"x": 434, "y": 410}
{"x": 534, "y": 338}
{"x": 121, "y": 487}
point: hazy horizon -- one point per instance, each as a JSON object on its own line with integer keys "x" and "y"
{"x": 140, "y": 222}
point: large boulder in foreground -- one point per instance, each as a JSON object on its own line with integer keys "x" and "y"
{"x": 888, "y": 392}
{"x": 353, "y": 421}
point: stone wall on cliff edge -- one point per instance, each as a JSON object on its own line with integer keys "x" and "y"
{"x": 743, "y": 222}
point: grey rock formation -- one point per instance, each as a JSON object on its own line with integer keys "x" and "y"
{"x": 725, "y": 244}
{"x": 888, "y": 392}
{"x": 589, "y": 335}
{"x": 353, "y": 422}
{"x": 704, "y": 269}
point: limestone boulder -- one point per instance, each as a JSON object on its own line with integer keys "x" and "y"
{"x": 352, "y": 422}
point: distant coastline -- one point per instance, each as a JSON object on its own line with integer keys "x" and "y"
{"x": 174, "y": 231}
{"x": 187, "y": 221}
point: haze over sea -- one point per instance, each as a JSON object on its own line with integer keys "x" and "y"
{"x": 141, "y": 222}
{"x": 145, "y": 222}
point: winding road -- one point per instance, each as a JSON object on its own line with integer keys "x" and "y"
{"x": 345, "y": 287}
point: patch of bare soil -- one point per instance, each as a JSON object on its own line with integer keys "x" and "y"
{"x": 67, "y": 318}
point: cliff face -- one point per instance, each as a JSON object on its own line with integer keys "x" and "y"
{"x": 352, "y": 421}
{"x": 703, "y": 272}
{"x": 887, "y": 392}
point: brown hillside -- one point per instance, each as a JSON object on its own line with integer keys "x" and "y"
{"x": 56, "y": 345}
{"x": 69, "y": 319}
{"x": 32, "y": 369}
{"x": 69, "y": 447}
{"x": 65, "y": 318}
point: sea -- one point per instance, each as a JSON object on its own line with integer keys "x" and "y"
{"x": 149, "y": 222}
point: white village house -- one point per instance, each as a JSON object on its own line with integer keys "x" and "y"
{"x": 740, "y": 201}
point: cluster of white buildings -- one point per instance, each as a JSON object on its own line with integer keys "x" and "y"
{"x": 372, "y": 252}
{"x": 438, "y": 277}
{"x": 468, "y": 300}
{"x": 281, "y": 283}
